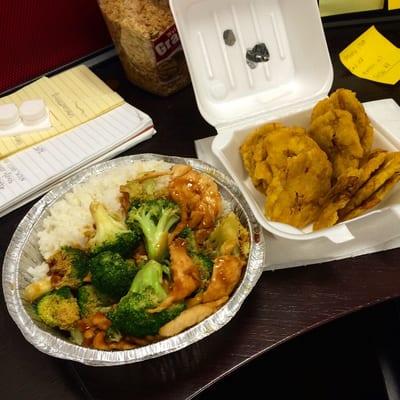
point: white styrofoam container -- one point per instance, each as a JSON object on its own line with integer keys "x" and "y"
{"x": 236, "y": 98}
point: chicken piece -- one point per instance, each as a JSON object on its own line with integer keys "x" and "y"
{"x": 293, "y": 195}
{"x": 198, "y": 197}
{"x": 185, "y": 275}
{"x": 337, "y": 136}
{"x": 337, "y": 199}
{"x": 191, "y": 317}
{"x": 374, "y": 199}
{"x": 344, "y": 99}
{"x": 390, "y": 167}
{"x": 226, "y": 275}
{"x": 37, "y": 289}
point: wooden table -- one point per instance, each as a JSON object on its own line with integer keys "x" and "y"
{"x": 284, "y": 303}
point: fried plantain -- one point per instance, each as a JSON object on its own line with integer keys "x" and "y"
{"x": 390, "y": 167}
{"x": 336, "y": 134}
{"x": 374, "y": 199}
{"x": 344, "y": 99}
{"x": 296, "y": 188}
{"x": 254, "y": 154}
{"x": 337, "y": 198}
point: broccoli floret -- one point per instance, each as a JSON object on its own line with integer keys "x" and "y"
{"x": 111, "y": 232}
{"x": 154, "y": 218}
{"x": 58, "y": 309}
{"x": 90, "y": 301}
{"x": 144, "y": 189}
{"x": 113, "y": 335}
{"x": 205, "y": 265}
{"x": 67, "y": 267}
{"x": 131, "y": 316}
{"x": 229, "y": 237}
{"x": 111, "y": 274}
{"x": 191, "y": 244}
{"x": 76, "y": 336}
{"x": 203, "y": 261}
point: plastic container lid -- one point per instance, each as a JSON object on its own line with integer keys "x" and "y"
{"x": 233, "y": 79}
{"x": 32, "y": 111}
{"x": 8, "y": 115}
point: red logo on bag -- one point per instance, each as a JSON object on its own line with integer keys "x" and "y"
{"x": 167, "y": 44}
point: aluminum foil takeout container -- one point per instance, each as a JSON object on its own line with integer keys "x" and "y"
{"x": 258, "y": 61}
{"x": 23, "y": 252}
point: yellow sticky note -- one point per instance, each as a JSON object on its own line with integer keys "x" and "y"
{"x": 73, "y": 97}
{"x": 393, "y": 4}
{"x": 334, "y": 7}
{"x": 371, "y": 56}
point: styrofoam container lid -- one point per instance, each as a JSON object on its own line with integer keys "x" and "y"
{"x": 236, "y": 95}
{"x": 228, "y": 88}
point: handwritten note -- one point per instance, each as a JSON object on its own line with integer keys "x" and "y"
{"x": 73, "y": 97}
{"x": 393, "y": 4}
{"x": 371, "y": 56}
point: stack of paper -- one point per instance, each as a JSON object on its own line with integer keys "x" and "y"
{"x": 90, "y": 123}
{"x": 73, "y": 97}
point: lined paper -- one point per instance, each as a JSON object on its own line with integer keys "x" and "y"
{"x": 73, "y": 97}
{"x": 29, "y": 173}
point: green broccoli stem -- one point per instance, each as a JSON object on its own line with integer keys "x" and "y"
{"x": 131, "y": 317}
{"x": 106, "y": 225}
{"x": 156, "y": 236}
{"x": 111, "y": 232}
{"x": 149, "y": 276}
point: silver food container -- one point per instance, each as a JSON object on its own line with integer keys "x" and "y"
{"x": 23, "y": 252}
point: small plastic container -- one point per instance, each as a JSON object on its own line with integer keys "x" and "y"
{"x": 147, "y": 43}
{"x": 30, "y": 116}
{"x": 236, "y": 93}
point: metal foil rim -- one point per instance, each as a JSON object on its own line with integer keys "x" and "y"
{"x": 50, "y": 344}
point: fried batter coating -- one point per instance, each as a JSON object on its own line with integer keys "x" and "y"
{"x": 336, "y": 134}
{"x": 374, "y": 199}
{"x": 390, "y": 167}
{"x": 337, "y": 198}
{"x": 294, "y": 193}
{"x": 344, "y": 99}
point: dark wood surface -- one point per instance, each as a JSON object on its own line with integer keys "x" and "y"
{"x": 284, "y": 303}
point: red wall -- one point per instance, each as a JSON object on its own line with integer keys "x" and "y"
{"x": 37, "y": 36}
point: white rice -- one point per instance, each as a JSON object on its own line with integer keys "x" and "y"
{"x": 70, "y": 216}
